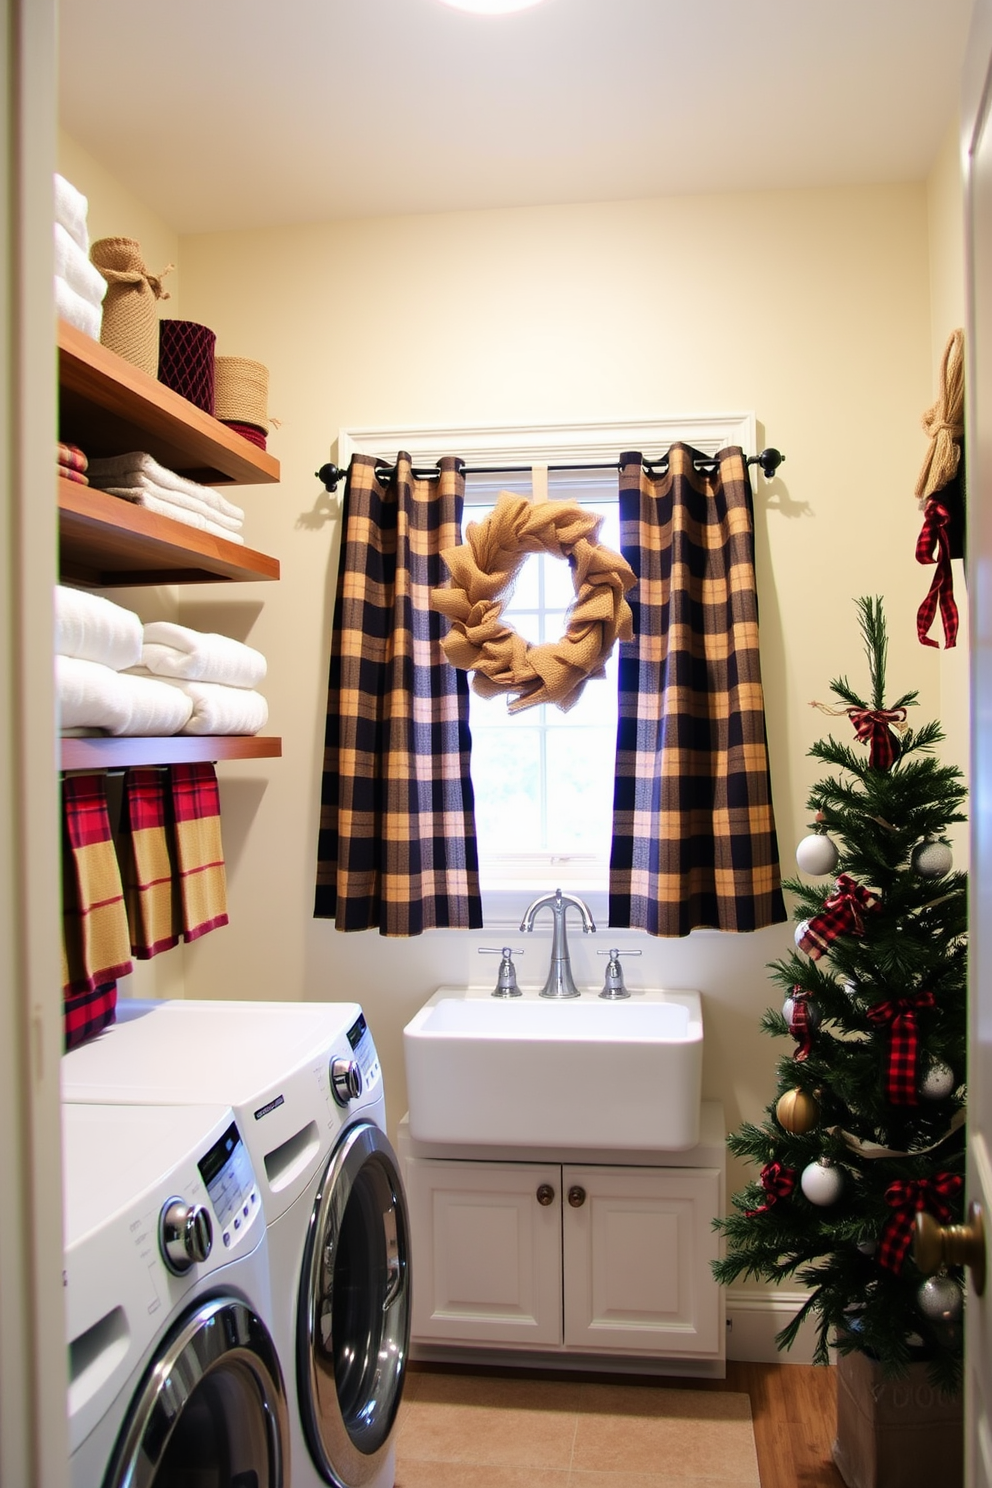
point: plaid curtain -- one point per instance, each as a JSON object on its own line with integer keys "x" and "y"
{"x": 397, "y": 846}
{"x": 693, "y": 829}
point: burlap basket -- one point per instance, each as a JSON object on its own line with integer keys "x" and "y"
{"x": 241, "y": 392}
{"x": 130, "y": 317}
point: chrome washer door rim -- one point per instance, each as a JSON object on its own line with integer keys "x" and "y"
{"x": 348, "y": 1458}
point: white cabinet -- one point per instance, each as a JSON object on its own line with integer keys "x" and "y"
{"x": 565, "y": 1257}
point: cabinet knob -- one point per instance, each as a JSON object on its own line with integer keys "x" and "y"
{"x": 937, "y": 1245}
{"x": 576, "y": 1196}
{"x": 545, "y": 1194}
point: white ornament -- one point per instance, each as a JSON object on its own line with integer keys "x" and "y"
{"x": 817, "y": 854}
{"x": 931, "y": 859}
{"x": 851, "y": 987}
{"x": 822, "y": 1182}
{"x": 813, "y": 1013}
{"x": 867, "y": 1247}
{"x": 939, "y": 1299}
{"x": 801, "y": 929}
{"x": 938, "y": 1082}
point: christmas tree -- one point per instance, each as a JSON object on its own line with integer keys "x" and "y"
{"x": 867, "y": 1126}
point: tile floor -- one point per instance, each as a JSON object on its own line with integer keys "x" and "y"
{"x": 468, "y": 1431}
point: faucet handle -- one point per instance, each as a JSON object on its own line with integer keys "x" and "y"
{"x": 506, "y": 980}
{"x": 613, "y": 986}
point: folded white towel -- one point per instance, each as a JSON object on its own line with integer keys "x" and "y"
{"x": 170, "y": 650}
{"x": 178, "y": 514}
{"x": 156, "y": 707}
{"x": 71, "y": 208}
{"x": 75, "y": 268}
{"x": 81, "y": 313}
{"x": 178, "y": 499}
{"x": 90, "y": 695}
{"x": 123, "y": 470}
{"x": 96, "y": 629}
{"x": 217, "y": 709}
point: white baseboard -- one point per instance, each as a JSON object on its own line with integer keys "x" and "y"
{"x": 754, "y": 1318}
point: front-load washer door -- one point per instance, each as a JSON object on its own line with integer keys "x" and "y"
{"x": 211, "y": 1409}
{"x": 353, "y": 1330}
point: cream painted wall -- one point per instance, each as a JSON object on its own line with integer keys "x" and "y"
{"x": 812, "y": 308}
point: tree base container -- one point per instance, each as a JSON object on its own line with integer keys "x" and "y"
{"x": 896, "y": 1433}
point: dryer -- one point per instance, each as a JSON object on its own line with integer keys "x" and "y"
{"x": 305, "y": 1085}
{"x": 168, "y": 1308}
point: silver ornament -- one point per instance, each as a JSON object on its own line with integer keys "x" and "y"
{"x": 822, "y": 1182}
{"x": 813, "y": 1014}
{"x": 940, "y": 1299}
{"x": 867, "y": 1247}
{"x": 817, "y": 854}
{"x": 801, "y": 929}
{"x": 938, "y": 1082}
{"x": 931, "y": 859}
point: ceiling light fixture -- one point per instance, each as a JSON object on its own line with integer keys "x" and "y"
{"x": 491, "y": 7}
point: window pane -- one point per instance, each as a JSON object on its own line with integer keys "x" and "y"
{"x": 506, "y": 775}
{"x": 580, "y": 810}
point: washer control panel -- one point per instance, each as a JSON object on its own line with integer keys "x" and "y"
{"x": 358, "y": 1075}
{"x": 229, "y": 1177}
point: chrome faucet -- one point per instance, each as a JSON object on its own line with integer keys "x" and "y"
{"x": 560, "y": 982}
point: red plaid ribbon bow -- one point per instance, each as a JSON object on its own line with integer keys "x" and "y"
{"x": 933, "y": 546}
{"x": 872, "y": 727}
{"x": 842, "y": 914}
{"x": 900, "y": 1014}
{"x": 778, "y": 1183}
{"x": 906, "y": 1197}
{"x": 799, "y": 1024}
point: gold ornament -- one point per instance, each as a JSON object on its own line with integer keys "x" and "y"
{"x": 797, "y": 1112}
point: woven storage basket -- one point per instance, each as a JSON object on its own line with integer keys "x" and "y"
{"x": 247, "y": 431}
{"x": 241, "y": 392}
{"x": 186, "y": 361}
{"x": 130, "y": 316}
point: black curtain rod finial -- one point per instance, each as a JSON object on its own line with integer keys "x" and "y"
{"x": 331, "y": 476}
{"x": 769, "y": 460}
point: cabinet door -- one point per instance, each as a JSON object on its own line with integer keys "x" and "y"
{"x": 637, "y": 1245}
{"x": 486, "y": 1252}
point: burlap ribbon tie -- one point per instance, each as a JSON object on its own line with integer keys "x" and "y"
{"x": 778, "y": 1182}
{"x": 139, "y": 276}
{"x": 872, "y": 727}
{"x": 483, "y": 569}
{"x": 934, "y": 546}
{"x": 799, "y": 1025}
{"x": 900, "y": 1014}
{"x": 906, "y": 1197}
{"x": 842, "y": 914}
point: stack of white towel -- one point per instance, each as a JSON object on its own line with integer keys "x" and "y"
{"x": 79, "y": 286}
{"x": 138, "y": 477}
{"x": 218, "y": 676}
{"x": 117, "y": 676}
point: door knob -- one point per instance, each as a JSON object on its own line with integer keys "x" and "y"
{"x": 545, "y": 1194}
{"x": 576, "y": 1196}
{"x": 937, "y": 1245}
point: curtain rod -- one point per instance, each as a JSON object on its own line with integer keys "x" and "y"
{"x": 769, "y": 460}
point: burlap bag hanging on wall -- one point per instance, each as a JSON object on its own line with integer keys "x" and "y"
{"x": 130, "y": 319}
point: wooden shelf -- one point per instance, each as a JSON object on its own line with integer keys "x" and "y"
{"x": 109, "y": 407}
{"x": 104, "y": 753}
{"x": 108, "y": 542}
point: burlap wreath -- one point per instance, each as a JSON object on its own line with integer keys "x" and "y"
{"x": 482, "y": 572}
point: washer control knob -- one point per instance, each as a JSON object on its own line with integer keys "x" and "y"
{"x": 186, "y": 1235}
{"x": 346, "y": 1080}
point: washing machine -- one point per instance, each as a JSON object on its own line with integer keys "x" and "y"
{"x": 172, "y": 1359}
{"x": 305, "y": 1084}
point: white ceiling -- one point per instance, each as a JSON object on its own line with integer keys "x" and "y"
{"x": 243, "y": 113}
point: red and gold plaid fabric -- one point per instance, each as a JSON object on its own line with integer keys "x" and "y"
{"x": 899, "y": 1013}
{"x": 694, "y": 840}
{"x": 85, "y": 1014}
{"x": 198, "y": 849}
{"x": 842, "y": 914}
{"x": 146, "y": 851}
{"x": 934, "y": 546}
{"x": 397, "y": 846}
{"x": 778, "y": 1182}
{"x": 95, "y": 944}
{"x": 906, "y": 1197}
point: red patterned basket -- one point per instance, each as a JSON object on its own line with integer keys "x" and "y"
{"x": 186, "y": 361}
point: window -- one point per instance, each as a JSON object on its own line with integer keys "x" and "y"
{"x": 531, "y": 842}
